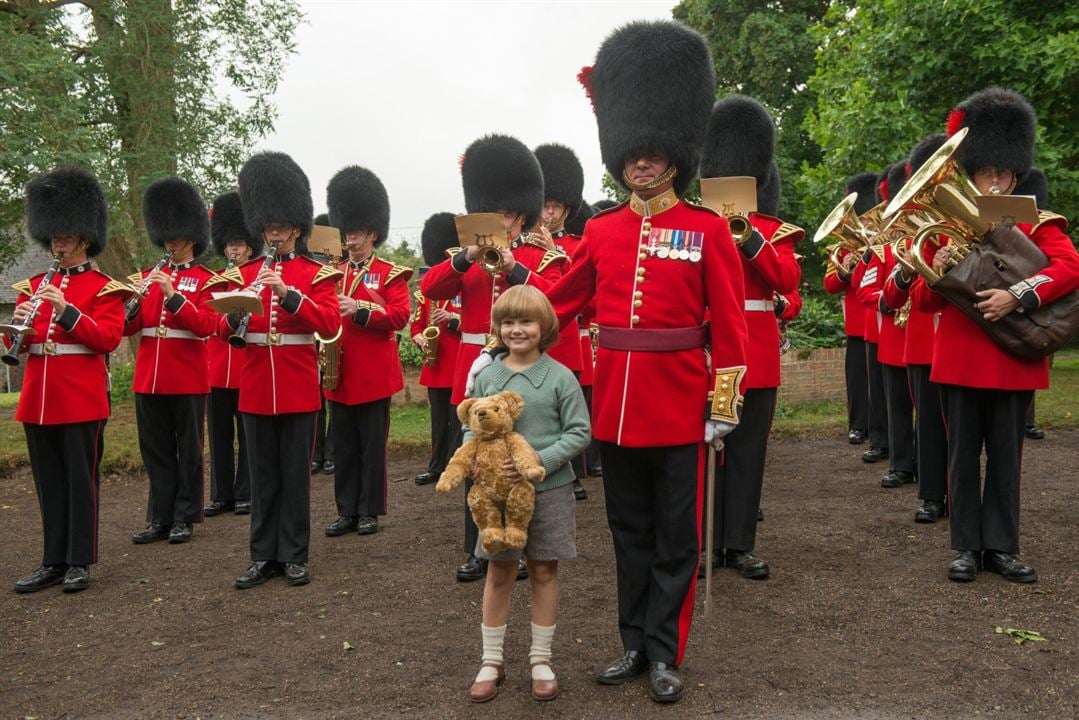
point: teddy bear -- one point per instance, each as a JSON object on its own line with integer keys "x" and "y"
{"x": 493, "y": 441}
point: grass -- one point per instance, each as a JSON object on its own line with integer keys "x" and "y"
{"x": 1057, "y": 409}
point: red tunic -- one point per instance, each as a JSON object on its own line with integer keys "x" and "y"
{"x": 584, "y": 325}
{"x": 478, "y": 291}
{"x": 283, "y": 378}
{"x": 892, "y": 339}
{"x": 568, "y": 348}
{"x": 918, "y": 345}
{"x": 225, "y": 360}
{"x": 370, "y": 366}
{"x": 964, "y": 355}
{"x": 642, "y": 398}
{"x": 71, "y": 388}
{"x": 440, "y": 373}
{"x": 853, "y": 312}
{"x": 172, "y": 358}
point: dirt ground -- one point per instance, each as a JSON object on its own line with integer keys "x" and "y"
{"x": 857, "y": 621}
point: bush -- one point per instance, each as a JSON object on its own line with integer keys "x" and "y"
{"x": 122, "y": 375}
{"x": 820, "y": 325}
{"x": 408, "y": 352}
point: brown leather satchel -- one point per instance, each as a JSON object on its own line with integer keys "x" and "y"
{"x": 1004, "y": 257}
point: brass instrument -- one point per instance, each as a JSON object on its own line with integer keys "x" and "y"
{"x": 741, "y": 229}
{"x": 20, "y": 331}
{"x": 874, "y": 225}
{"x": 902, "y": 315}
{"x": 430, "y": 349}
{"x": 238, "y": 339}
{"x": 490, "y": 260}
{"x": 329, "y": 359}
{"x": 843, "y": 226}
{"x": 131, "y": 308}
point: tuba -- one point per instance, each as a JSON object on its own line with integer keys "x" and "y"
{"x": 845, "y": 229}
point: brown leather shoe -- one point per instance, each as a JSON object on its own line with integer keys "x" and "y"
{"x": 481, "y": 692}
{"x": 544, "y": 689}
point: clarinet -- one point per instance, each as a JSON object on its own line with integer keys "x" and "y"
{"x": 238, "y": 339}
{"x": 21, "y": 331}
{"x": 131, "y": 308}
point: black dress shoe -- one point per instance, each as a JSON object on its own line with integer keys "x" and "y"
{"x": 297, "y": 574}
{"x": 930, "y": 512}
{"x": 717, "y": 561}
{"x": 180, "y": 533}
{"x": 964, "y": 566}
{"x": 760, "y": 515}
{"x": 751, "y": 566}
{"x": 327, "y": 469}
{"x": 665, "y": 684}
{"x": 151, "y": 533}
{"x": 594, "y": 470}
{"x": 44, "y": 577}
{"x": 76, "y": 579}
{"x": 1033, "y": 432}
{"x": 1009, "y": 567}
{"x": 875, "y": 455}
{"x": 258, "y": 573}
{"x": 218, "y": 507}
{"x": 367, "y": 525}
{"x": 522, "y": 569}
{"x": 897, "y": 478}
{"x": 342, "y": 526}
{"x": 856, "y": 437}
{"x": 632, "y": 664}
{"x": 243, "y": 507}
{"x": 316, "y": 465}
{"x": 427, "y": 478}
{"x": 473, "y": 569}
{"x": 579, "y": 493}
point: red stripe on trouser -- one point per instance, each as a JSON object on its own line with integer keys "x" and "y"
{"x": 93, "y": 489}
{"x": 685, "y": 615}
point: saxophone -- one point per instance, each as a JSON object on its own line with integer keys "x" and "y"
{"x": 329, "y": 349}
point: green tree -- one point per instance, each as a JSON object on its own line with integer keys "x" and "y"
{"x": 135, "y": 90}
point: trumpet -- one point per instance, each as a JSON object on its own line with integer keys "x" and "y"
{"x": 20, "y": 331}
{"x": 238, "y": 339}
{"x": 490, "y": 260}
{"x": 741, "y": 229}
{"x": 430, "y": 350}
{"x": 134, "y": 303}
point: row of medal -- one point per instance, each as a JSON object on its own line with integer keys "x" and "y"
{"x": 676, "y": 244}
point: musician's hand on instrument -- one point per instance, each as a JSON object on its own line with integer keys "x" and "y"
{"x": 940, "y": 259}
{"x": 438, "y": 315}
{"x": 273, "y": 280}
{"x": 848, "y": 262}
{"x": 164, "y": 280}
{"x": 347, "y": 305}
{"x": 508, "y": 261}
{"x": 419, "y": 341}
{"x": 52, "y": 295}
{"x": 472, "y": 252}
{"x": 23, "y": 313}
{"x": 546, "y": 237}
{"x": 996, "y": 303}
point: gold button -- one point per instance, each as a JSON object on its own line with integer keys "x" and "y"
{"x": 646, "y": 226}
{"x": 635, "y": 319}
{"x": 643, "y": 256}
{"x": 638, "y": 280}
{"x": 640, "y": 271}
{"x": 638, "y": 303}
{"x": 638, "y": 295}
{"x": 644, "y": 246}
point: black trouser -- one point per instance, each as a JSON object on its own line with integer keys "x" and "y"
{"x": 444, "y": 424}
{"x": 985, "y": 519}
{"x": 653, "y": 507}
{"x": 592, "y": 453}
{"x": 857, "y": 375}
{"x": 877, "y": 406}
{"x": 360, "y": 433}
{"x": 279, "y": 455}
{"x": 323, "y": 436}
{"x": 65, "y": 460}
{"x": 1031, "y": 421}
{"x": 740, "y": 475}
{"x": 930, "y": 435}
{"x": 230, "y": 480}
{"x": 170, "y": 440}
{"x": 900, "y": 407}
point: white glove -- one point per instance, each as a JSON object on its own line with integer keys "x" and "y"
{"x": 482, "y": 360}
{"x": 715, "y": 430}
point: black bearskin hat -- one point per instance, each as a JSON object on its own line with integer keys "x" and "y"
{"x": 227, "y": 223}
{"x": 563, "y": 177}
{"x": 740, "y": 140}
{"x": 865, "y": 184}
{"x": 273, "y": 189}
{"x": 652, "y": 87}
{"x": 1036, "y": 184}
{"x": 924, "y": 150}
{"x": 1002, "y": 128}
{"x": 357, "y": 200}
{"x": 439, "y": 235}
{"x": 768, "y": 192}
{"x": 499, "y": 173}
{"x": 173, "y": 210}
{"x": 897, "y": 178}
{"x": 604, "y": 204}
{"x": 67, "y": 201}
{"x": 575, "y": 224}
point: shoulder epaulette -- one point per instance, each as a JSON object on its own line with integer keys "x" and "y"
{"x": 215, "y": 280}
{"x": 1045, "y": 217}
{"x": 611, "y": 209}
{"x": 325, "y": 272}
{"x": 550, "y": 257}
{"x": 233, "y": 275}
{"x": 787, "y": 231}
{"x": 450, "y": 252}
{"x": 113, "y": 286}
{"x": 24, "y": 287}
{"x": 419, "y": 296}
{"x": 397, "y": 271}
{"x": 134, "y": 278}
{"x": 831, "y": 270}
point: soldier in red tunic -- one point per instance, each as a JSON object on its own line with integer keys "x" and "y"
{"x": 65, "y": 392}
{"x": 279, "y": 384}
{"x": 374, "y": 304}
{"x": 499, "y": 174}
{"x": 657, "y": 268}
{"x": 171, "y": 371}
{"x": 985, "y": 389}
{"x": 741, "y": 142}
{"x": 440, "y": 354}
{"x": 230, "y": 478}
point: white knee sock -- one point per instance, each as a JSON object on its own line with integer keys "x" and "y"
{"x": 493, "y": 639}
{"x": 542, "y": 639}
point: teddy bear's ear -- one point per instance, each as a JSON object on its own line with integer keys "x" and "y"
{"x": 463, "y": 408}
{"x": 514, "y": 403}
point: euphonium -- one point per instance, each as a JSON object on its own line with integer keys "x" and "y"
{"x": 430, "y": 350}
{"x": 131, "y": 309}
{"x": 20, "y": 331}
{"x": 845, "y": 227}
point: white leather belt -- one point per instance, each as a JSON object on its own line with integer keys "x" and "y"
{"x": 167, "y": 332}
{"x": 280, "y": 339}
{"x": 585, "y": 332}
{"x": 760, "y": 306}
{"x": 474, "y": 338}
{"x": 53, "y": 348}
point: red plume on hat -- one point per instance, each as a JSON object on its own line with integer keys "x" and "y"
{"x": 585, "y": 78}
{"x": 955, "y": 121}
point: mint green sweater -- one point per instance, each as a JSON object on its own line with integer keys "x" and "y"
{"x": 555, "y": 418}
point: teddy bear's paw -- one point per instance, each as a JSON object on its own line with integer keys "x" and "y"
{"x": 535, "y": 475}
{"x": 444, "y": 484}
{"x": 515, "y": 538}
{"x": 493, "y": 540}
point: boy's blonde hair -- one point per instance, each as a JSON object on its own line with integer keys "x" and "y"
{"x": 524, "y": 302}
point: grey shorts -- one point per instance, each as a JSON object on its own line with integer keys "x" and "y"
{"x": 552, "y": 534}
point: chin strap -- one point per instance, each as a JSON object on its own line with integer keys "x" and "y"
{"x": 669, "y": 174}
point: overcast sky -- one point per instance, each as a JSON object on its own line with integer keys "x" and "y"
{"x": 403, "y": 87}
